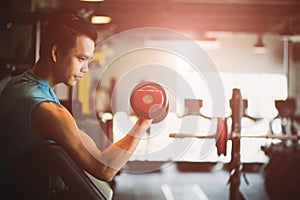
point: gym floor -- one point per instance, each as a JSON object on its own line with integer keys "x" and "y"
{"x": 170, "y": 183}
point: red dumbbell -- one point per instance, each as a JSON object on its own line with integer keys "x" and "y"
{"x": 149, "y": 100}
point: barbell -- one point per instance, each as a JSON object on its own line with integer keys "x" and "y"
{"x": 221, "y": 136}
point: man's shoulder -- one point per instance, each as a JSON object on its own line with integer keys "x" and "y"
{"x": 50, "y": 107}
{"x": 52, "y": 111}
{"x": 21, "y": 84}
{"x": 27, "y": 86}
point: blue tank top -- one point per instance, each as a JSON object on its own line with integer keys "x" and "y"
{"x": 17, "y": 101}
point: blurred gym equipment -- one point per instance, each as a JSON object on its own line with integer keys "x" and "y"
{"x": 286, "y": 160}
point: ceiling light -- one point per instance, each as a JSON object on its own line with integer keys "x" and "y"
{"x": 92, "y": 0}
{"x": 259, "y": 46}
{"x": 100, "y": 19}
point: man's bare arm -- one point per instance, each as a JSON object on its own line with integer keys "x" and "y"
{"x": 51, "y": 121}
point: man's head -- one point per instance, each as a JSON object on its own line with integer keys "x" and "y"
{"x": 68, "y": 43}
{"x": 62, "y": 30}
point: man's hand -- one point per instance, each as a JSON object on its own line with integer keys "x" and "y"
{"x": 144, "y": 122}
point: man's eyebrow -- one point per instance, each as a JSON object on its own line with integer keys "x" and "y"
{"x": 85, "y": 56}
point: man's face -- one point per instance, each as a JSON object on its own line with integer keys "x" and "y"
{"x": 73, "y": 64}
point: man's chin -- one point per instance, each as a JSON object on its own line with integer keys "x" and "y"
{"x": 71, "y": 84}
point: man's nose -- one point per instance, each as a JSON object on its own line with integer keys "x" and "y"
{"x": 85, "y": 67}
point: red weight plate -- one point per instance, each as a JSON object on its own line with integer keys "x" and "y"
{"x": 147, "y": 99}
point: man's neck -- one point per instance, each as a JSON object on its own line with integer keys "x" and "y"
{"x": 43, "y": 71}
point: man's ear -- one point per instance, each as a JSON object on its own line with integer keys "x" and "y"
{"x": 54, "y": 53}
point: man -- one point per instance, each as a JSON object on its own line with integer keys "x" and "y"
{"x": 31, "y": 113}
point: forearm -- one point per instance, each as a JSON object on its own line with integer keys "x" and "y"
{"x": 119, "y": 153}
{"x": 115, "y": 157}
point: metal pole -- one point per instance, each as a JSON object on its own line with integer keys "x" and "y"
{"x": 237, "y": 108}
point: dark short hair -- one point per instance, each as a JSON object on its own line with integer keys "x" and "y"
{"x": 62, "y": 30}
